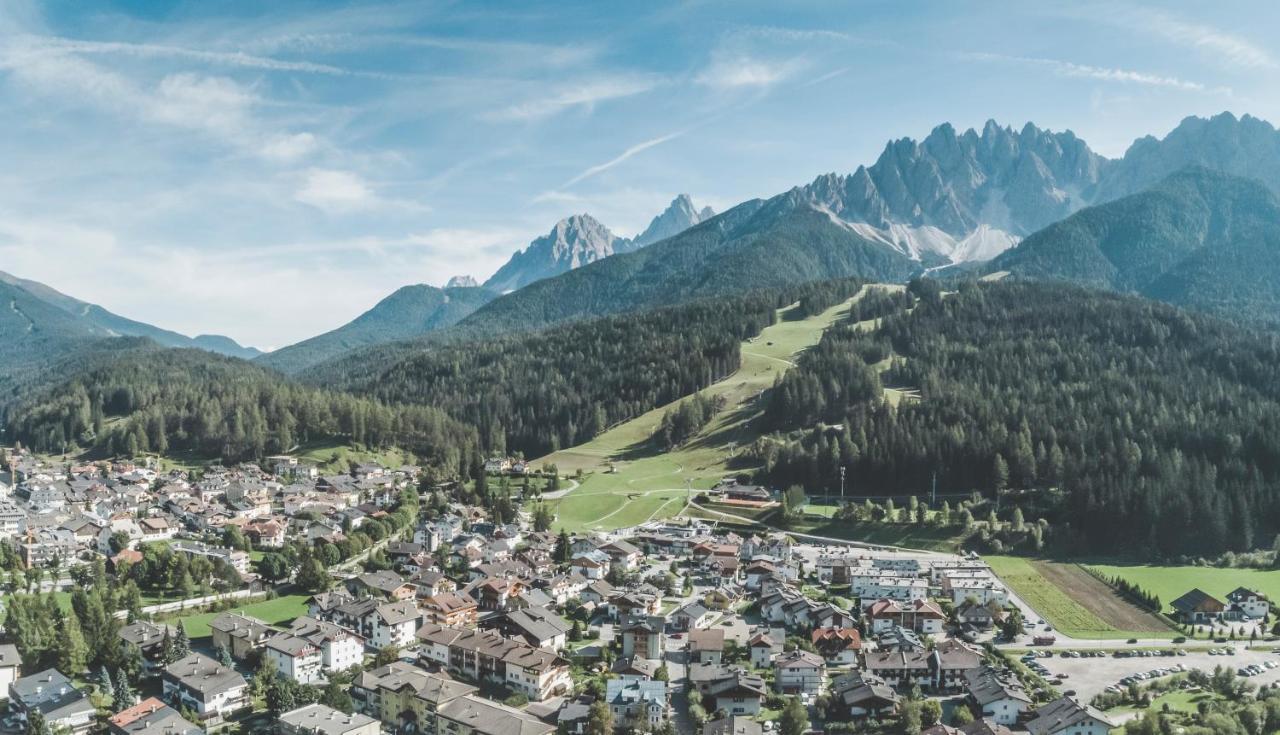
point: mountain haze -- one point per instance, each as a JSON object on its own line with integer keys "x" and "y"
{"x": 95, "y": 321}
{"x": 409, "y": 312}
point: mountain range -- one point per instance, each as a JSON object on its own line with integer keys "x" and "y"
{"x": 1036, "y": 203}
{"x": 581, "y": 239}
{"x": 1199, "y": 238}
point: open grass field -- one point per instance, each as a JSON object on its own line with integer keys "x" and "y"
{"x": 1075, "y": 603}
{"x": 279, "y": 610}
{"x": 648, "y": 483}
{"x": 1170, "y": 583}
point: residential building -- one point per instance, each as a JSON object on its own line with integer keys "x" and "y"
{"x": 210, "y": 689}
{"x": 484, "y": 655}
{"x": 1197, "y": 607}
{"x": 998, "y": 695}
{"x": 295, "y": 658}
{"x": 239, "y": 634}
{"x": 319, "y": 719}
{"x": 340, "y": 649}
{"x": 52, "y": 694}
{"x": 10, "y": 666}
{"x": 451, "y": 609}
{"x": 738, "y": 693}
{"x": 706, "y": 646}
{"x": 151, "y": 717}
{"x": 1066, "y": 716}
{"x": 637, "y": 701}
{"x": 800, "y": 672}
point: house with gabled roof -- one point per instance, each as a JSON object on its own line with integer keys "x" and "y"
{"x": 1066, "y": 716}
{"x": 1198, "y": 606}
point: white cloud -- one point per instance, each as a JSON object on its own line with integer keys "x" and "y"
{"x": 289, "y": 147}
{"x": 585, "y": 94}
{"x": 1072, "y": 69}
{"x": 335, "y": 191}
{"x": 215, "y": 105}
{"x": 739, "y": 71}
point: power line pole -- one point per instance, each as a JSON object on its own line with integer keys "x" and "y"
{"x": 842, "y": 470}
{"x": 933, "y": 497}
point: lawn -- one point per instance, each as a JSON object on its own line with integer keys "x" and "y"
{"x": 1170, "y": 583}
{"x": 1071, "y": 613}
{"x": 334, "y": 457}
{"x": 640, "y": 468}
{"x": 607, "y": 510}
{"x": 909, "y": 535}
{"x": 279, "y": 610}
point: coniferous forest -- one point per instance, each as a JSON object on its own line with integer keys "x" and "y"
{"x": 536, "y": 392}
{"x": 153, "y": 400}
{"x": 1131, "y": 423}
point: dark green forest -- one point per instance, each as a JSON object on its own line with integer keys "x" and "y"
{"x": 1135, "y": 425}
{"x": 537, "y": 392}
{"x": 153, "y": 400}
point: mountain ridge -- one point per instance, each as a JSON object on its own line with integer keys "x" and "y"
{"x": 581, "y": 239}
{"x": 1199, "y": 238}
{"x": 407, "y": 312}
{"x": 99, "y": 322}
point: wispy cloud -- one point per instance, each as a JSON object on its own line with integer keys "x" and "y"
{"x": 825, "y": 77}
{"x": 1086, "y": 71}
{"x": 585, "y": 94}
{"x": 626, "y": 155}
{"x": 1229, "y": 48}
{"x": 150, "y": 51}
{"x": 741, "y": 71}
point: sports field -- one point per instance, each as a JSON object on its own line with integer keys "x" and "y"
{"x": 1074, "y": 602}
{"x": 648, "y": 484}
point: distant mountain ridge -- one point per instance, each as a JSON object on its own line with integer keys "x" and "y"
{"x": 94, "y": 321}
{"x": 409, "y": 312}
{"x": 581, "y": 239}
{"x": 1200, "y": 238}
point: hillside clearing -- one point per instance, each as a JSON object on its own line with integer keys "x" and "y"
{"x": 646, "y": 482}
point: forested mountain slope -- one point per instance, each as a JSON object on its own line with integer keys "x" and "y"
{"x": 95, "y": 321}
{"x": 146, "y": 399}
{"x": 409, "y": 312}
{"x": 537, "y": 392}
{"x": 1138, "y": 425}
{"x": 754, "y": 245}
{"x": 1200, "y": 238}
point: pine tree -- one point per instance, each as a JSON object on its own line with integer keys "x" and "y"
{"x": 181, "y": 644}
{"x": 125, "y": 698}
{"x": 105, "y": 687}
{"x": 73, "y": 654}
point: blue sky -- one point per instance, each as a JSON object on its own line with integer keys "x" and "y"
{"x": 270, "y": 170}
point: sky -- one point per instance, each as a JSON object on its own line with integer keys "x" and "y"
{"x": 269, "y": 171}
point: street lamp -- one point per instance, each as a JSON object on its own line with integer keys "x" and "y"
{"x": 842, "y": 469}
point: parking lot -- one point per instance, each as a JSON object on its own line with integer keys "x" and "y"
{"x": 1088, "y": 676}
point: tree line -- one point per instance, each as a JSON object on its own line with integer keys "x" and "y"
{"x": 1133, "y": 424}
{"x": 163, "y": 401}
{"x": 536, "y": 392}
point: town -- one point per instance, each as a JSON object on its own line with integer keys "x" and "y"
{"x": 276, "y": 598}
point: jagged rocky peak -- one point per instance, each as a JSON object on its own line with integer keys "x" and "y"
{"x": 462, "y": 282}
{"x": 679, "y": 216}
